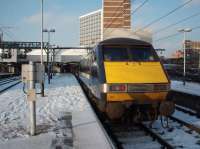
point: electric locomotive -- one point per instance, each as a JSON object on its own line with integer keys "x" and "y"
{"x": 125, "y": 77}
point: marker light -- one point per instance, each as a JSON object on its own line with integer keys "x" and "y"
{"x": 117, "y": 88}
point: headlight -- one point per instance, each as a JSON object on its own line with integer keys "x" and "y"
{"x": 117, "y": 87}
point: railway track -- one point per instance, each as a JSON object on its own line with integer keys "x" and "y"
{"x": 136, "y": 136}
{"x": 184, "y": 123}
{"x": 182, "y": 127}
{"x": 143, "y": 136}
{"x": 8, "y": 83}
{"x": 7, "y": 75}
{"x": 8, "y": 80}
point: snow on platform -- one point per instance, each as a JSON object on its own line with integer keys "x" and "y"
{"x": 63, "y": 96}
{"x": 189, "y": 88}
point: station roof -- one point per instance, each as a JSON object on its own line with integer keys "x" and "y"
{"x": 62, "y": 52}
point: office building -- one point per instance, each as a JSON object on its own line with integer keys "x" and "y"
{"x": 91, "y": 28}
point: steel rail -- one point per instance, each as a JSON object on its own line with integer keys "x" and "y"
{"x": 187, "y": 111}
{"x": 8, "y": 81}
{"x": 188, "y": 125}
{"x": 163, "y": 142}
{"x": 6, "y": 88}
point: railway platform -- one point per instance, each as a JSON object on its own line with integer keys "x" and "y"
{"x": 89, "y": 133}
{"x": 65, "y": 119}
{"x": 188, "y": 88}
{"x": 187, "y": 95}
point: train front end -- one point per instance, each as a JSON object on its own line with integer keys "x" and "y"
{"x": 136, "y": 83}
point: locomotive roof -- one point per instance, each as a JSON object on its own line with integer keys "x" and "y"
{"x": 121, "y": 41}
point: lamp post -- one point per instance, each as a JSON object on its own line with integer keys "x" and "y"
{"x": 42, "y": 82}
{"x": 52, "y": 60}
{"x": 184, "y": 31}
{"x": 1, "y": 37}
{"x": 49, "y": 31}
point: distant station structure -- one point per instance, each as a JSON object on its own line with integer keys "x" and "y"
{"x": 192, "y": 55}
{"x": 16, "y": 52}
{"x": 61, "y": 57}
{"x": 13, "y": 54}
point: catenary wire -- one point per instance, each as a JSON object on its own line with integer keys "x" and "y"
{"x": 165, "y": 15}
{"x": 175, "y": 34}
{"x": 178, "y": 22}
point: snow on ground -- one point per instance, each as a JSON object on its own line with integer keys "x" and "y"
{"x": 190, "y": 88}
{"x": 63, "y": 96}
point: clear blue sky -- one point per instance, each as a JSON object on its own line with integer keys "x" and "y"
{"x": 63, "y": 15}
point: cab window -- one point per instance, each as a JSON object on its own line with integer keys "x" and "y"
{"x": 129, "y": 53}
{"x": 115, "y": 54}
{"x": 142, "y": 54}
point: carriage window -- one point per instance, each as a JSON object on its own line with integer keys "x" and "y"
{"x": 115, "y": 54}
{"x": 142, "y": 54}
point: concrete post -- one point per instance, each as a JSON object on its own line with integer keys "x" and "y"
{"x": 32, "y": 104}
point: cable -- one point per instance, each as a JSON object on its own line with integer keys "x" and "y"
{"x": 6, "y": 31}
{"x": 166, "y": 37}
{"x": 8, "y": 35}
{"x": 172, "y": 35}
{"x": 11, "y": 33}
{"x": 178, "y": 22}
{"x": 164, "y": 16}
{"x": 140, "y": 6}
{"x": 25, "y": 91}
{"x": 24, "y": 86}
{"x": 197, "y": 27}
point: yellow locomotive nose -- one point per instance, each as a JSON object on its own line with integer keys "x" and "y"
{"x": 134, "y": 72}
{"x": 145, "y": 81}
